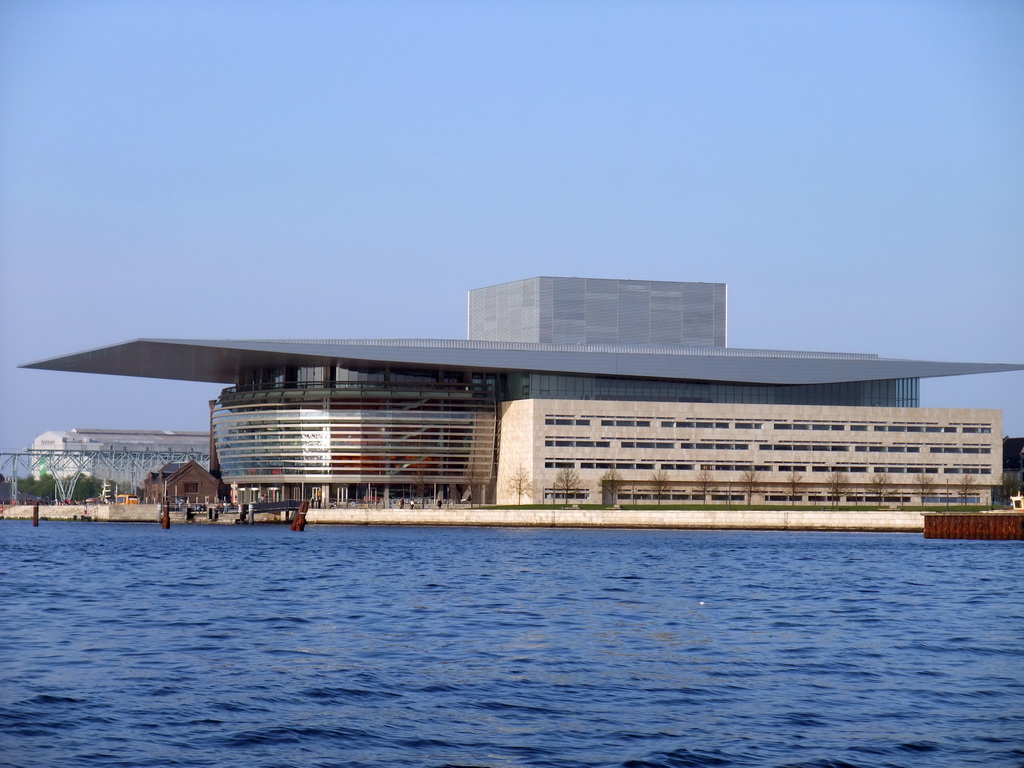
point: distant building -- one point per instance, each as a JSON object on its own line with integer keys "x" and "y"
{"x": 121, "y": 440}
{"x": 563, "y": 384}
{"x": 187, "y": 483}
{"x": 114, "y": 442}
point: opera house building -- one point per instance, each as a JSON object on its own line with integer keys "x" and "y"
{"x": 563, "y": 384}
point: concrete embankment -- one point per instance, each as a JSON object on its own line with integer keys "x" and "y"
{"x": 550, "y": 517}
{"x": 710, "y": 519}
{"x": 107, "y": 513}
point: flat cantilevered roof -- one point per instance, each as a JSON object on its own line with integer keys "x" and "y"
{"x": 224, "y": 361}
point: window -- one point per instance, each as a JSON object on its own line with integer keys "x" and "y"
{"x": 858, "y": 427}
{"x": 577, "y": 443}
{"x": 191, "y": 487}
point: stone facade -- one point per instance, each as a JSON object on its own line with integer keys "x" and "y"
{"x": 782, "y": 454}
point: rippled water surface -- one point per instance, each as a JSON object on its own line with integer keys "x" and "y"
{"x": 253, "y": 646}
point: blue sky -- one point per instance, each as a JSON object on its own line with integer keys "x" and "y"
{"x": 853, "y": 170}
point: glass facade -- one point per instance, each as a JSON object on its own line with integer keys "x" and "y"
{"x": 403, "y": 430}
{"x": 394, "y": 431}
{"x": 892, "y": 393}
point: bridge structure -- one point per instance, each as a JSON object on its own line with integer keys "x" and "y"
{"x": 66, "y": 467}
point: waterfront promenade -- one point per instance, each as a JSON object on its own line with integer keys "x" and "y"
{"x": 893, "y": 520}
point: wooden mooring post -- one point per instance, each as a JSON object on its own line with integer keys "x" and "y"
{"x": 35, "y": 514}
{"x": 165, "y": 518}
{"x": 299, "y": 523}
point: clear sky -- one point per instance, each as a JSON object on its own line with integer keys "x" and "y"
{"x": 328, "y": 169}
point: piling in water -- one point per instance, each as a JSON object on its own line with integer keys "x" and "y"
{"x": 165, "y": 519}
{"x": 299, "y": 523}
{"x": 35, "y": 514}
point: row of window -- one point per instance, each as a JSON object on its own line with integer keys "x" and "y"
{"x": 852, "y": 468}
{"x": 642, "y": 496}
{"x": 819, "y": 447}
{"x": 812, "y": 426}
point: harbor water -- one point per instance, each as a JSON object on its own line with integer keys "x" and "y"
{"x": 251, "y": 646}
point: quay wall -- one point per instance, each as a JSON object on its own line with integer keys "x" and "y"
{"x": 107, "y": 513}
{"x": 709, "y": 519}
{"x": 551, "y": 517}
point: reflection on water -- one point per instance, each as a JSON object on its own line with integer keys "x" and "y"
{"x": 257, "y": 646}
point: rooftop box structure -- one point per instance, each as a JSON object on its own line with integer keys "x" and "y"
{"x": 578, "y": 310}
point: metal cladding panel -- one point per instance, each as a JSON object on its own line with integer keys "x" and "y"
{"x": 222, "y": 361}
{"x": 668, "y": 307}
{"x": 575, "y": 310}
{"x": 568, "y": 312}
{"x": 507, "y": 312}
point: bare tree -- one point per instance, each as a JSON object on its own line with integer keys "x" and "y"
{"x": 793, "y": 480}
{"x": 881, "y": 483}
{"x": 611, "y": 482}
{"x": 660, "y": 483}
{"x": 750, "y": 482}
{"x": 419, "y": 484}
{"x": 924, "y": 484}
{"x": 476, "y": 475}
{"x": 519, "y": 482}
{"x": 836, "y": 484}
{"x": 967, "y": 486}
{"x": 705, "y": 484}
{"x": 567, "y": 481}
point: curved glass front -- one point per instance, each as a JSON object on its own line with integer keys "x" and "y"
{"x": 390, "y": 434}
